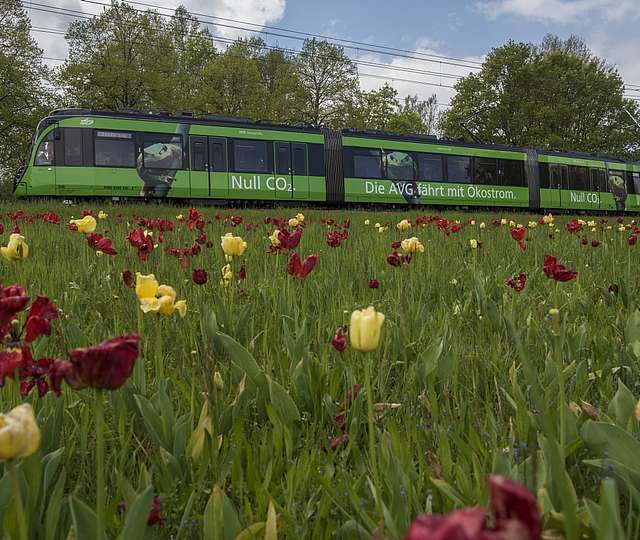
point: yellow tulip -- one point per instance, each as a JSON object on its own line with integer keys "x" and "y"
{"x": 503, "y": 221}
{"x": 473, "y": 222}
{"x": 365, "y": 328}
{"x": 482, "y": 225}
{"x": 233, "y": 246}
{"x": 300, "y": 217}
{"x": 275, "y": 240}
{"x": 16, "y": 249}
{"x": 102, "y": 215}
{"x": 179, "y": 217}
{"x": 146, "y": 286}
{"x": 547, "y": 219}
{"x": 227, "y": 275}
{"x": 473, "y": 243}
{"x": 366, "y": 222}
{"x": 404, "y": 225}
{"x": 19, "y": 433}
{"x": 412, "y": 245}
{"x": 86, "y": 225}
{"x": 293, "y": 222}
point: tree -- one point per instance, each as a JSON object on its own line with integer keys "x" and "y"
{"x": 555, "y": 96}
{"x": 427, "y": 111}
{"x": 281, "y": 86}
{"x": 328, "y": 81}
{"x": 24, "y": 96}
{"x": 127, "y": 59}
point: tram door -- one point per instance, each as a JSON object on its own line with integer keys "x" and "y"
{"x": 558, "y": 180}
{"x": 292, "y": 174}
{"x": 43, "y": 172}
{"x": 208, "y": 167}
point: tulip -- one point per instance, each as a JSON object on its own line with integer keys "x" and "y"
{"x": 412, "y": 245}
{"x": 300, "y": 217}
{"x": 146, "y": 286}
{"x": 39, "y": 319}
{"x": 275, "y": 238}
{"x": 85, "y": 225}
{"x": 157, "y": 298}
{"x": 556, "y": 271}
{"x": 482, "y": 225}
{"x": 19, "y": 433}
{"x": 127, "y": 278}
{"x": 365, "y": 329}
{"x": 233, "y": 246}
{"x": 366, "y": 222}
{"x": 301, "y": 269}
{"x": 102, "y": 215}
{"x": 548, "y": 219}
{"x": 339, "y": 340}
{"x": 199, "y": 276}
{"x": 473, "y": 243}
{"x": 403, "y": 225}
{"x": 16, "y": 249}
{"x": 293, "y": 222}
{"x": 227, "y": 275}
{"x": 374, "y": 284}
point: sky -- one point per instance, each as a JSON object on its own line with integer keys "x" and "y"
{"x": 462, "y": 31}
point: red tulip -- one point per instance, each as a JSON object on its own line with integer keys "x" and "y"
{"x": 632, "y": 240}
{"x": 199, "y": 276}
{"x": 339, "y": 340}
{"x": 242, "y": 273}
{"x": 517, "y": 233}
{"x": 236, "y": 220}
{"x": 374, "y": 284}
{"x": 104, "y": 366}
{"x": 127, "y": 278}
{"x": 336, "y": 442}
{"x": 595, "y": 243}
{"x": 613, "y": 289}
{"x": 557, "y": 271}
{"x": 143, "y": 243}
{"x": 464, "y": 524}
{"x": 1, "y": 228}
{"x": 573, "y": 226}
{"x": 10, "y": 360}
{"x": 335, "y": 238}
{"x": 289, "y": 240}
{"x": 12, "y": 301}
{"x": 301, "y": 269}
{"x": 514, "y": 509}
{"x": 396, "y": 245}
{"x": 101, "y": 243}
{"x": 41, "y": 314}
{"x": 154, "y": 514}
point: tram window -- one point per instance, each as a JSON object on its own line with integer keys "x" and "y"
{"x": 250, "y": 156}
{"x": 198, "y": 156}
{"x": 218, "y": 155}
{"x": 115, "y": 149}
{"x": 367, "y": 163}
{"x": 486, "y": 171}
{"x": 630, "y": 185}
{"x": 400, "y": 165}
{"x": 162, "y": 151}
{"x": 430, "y": 168}
{"x": 45, "y": 153}
{"x": 459, "y": 169}
{"x": 283, "y": 159}
{"x": 557, "y": 176}
{"x": 636, "y": 182}
{"x": 512, "y": 173}
{"x": 72, "y": 146}
{"x": 544, "y": 175}
{"x": 579, "y": 178}
{"x": 300, "y": 160}
{"x": 598, "y": 180}
{"x": 316, "y": 159}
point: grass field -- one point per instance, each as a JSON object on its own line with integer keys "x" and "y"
{"x": 237, "y": 416}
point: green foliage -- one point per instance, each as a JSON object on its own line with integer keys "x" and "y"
{"x": 556, "y": 96}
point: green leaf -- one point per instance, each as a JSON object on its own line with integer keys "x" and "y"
{"x": 271, "y": 528}
{"x": 252, "y": 531}
{"x": 632, "y": 332}
{"x": 609, "y": 526}
{"x": 85, "y": 522}
{"x": 186, "y": 513}
{"x": 612, "y": 441}
{"x": 54, "y": 508}
{"x": 622, "y": 406}
{"x": 283, "y": 403}
{"x": 243, "y": 359}
{"x": 428, "y": 359}
{"x": 213, "y": 520}
{"x": 135, "y": 522}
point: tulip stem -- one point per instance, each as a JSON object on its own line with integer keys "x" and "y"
{"x": 372, "y": 436}
{"x": 15, "y": 484}
{"x": 99, "y": 416}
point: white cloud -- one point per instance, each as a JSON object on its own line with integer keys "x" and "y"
{"x": 258, "y": 12}
{"x": 561, "y": 11}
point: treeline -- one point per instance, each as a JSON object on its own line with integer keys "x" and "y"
{"x": 555, "y": 95}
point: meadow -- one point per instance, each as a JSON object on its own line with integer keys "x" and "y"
{"x": 254, "y": 415}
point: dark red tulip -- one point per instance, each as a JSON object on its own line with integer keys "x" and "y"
{"x": 584, "y": 241}
{"x": 335, "y": 238}
{"x": 12, "y": 301}
{"x": 514, "y": 509}
{"x": 464, "y": 524}
{"x": 154, "y": 514}
{"x": 573, "y": 226}
{"x": 101, "y": 243}
{"x": 301, "y": 269}
{"x": 104, "y": 366}
{"x": 143, "y": 243}
{"x": 127, "y": 278}
{"x": 337, "y": 442}
{"x": 339, "y": 340}
{"x": 289, "y": 240}
{"x": 556, "y": 271}
{"x": 632, "y": 240}
{"x": 374, "y": 284}
{"x": 595, "y": 243}
{"x": 1, "y": 228}
{"x": 242, "y": 273}
{"x": 10, "y": 360}
{"x": 517, "y": 284}
{"x": 236, "y": 220}
{"x": 394, "y": 259}
{"x": 613, "y": 289}
{"x": 396, "y": 245}
{"x": 41, "y": 314}
{"x": 199, "y": 276}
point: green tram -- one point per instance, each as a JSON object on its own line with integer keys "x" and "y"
{"x": 85, "y": 153}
